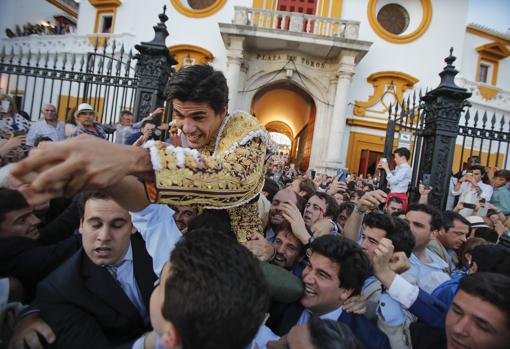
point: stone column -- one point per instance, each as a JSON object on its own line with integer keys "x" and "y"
{"x": 335, "y": 155}
{"x": 235, "y": 58}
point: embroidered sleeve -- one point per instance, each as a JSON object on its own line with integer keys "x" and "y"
{"x": 226, "y": 180}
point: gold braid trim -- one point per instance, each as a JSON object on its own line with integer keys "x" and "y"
{"x": 228, "y": 179}
{"x": 245, "y": 221}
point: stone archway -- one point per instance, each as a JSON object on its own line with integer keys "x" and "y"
{"x": 286, "y": 108}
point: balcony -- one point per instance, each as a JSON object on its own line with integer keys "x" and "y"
{"x": 296, "y": 22}
{"x": 268, "y": 30}
{"x": 486, "y": 96}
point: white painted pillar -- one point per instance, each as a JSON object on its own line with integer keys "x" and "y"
{"x": 335, "y": 155}
{"x": 235, "y": 58}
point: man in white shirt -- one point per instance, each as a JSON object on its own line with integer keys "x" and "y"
{"x": 427, "y": 268}
{"x": 398, "y": 179}
{"x": 471, "y": 189}
{"x": 48, "y": 126}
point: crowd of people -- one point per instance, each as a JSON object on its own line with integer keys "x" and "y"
{"x": 46, "y": 28}
{"x": 206, "y": 241}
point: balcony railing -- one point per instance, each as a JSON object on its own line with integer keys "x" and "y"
{"x": 296, "y": 22}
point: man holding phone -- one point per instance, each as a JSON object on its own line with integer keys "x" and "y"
{"x": 471, "y": 189}
{"x": 399, "y": 179}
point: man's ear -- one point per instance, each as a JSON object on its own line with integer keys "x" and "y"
{"x": 345, "y": 293}
{"x": 133, "y": 229}
{"x": 170, "y": 339}
{"x": 473, "y": 268}
{"x": 81, "y": 225}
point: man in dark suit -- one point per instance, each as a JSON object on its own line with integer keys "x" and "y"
{"x": 27, "y": 253}
{"x": 337, "y": 270}
{"x": 99, "y": 298}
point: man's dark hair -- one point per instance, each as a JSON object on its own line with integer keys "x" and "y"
{"x": 90, "y": 195}
{"x": 448, "y": 217}
{"x": 271, "y": 188}
{"x": 395, "y": 199}
{"x": 148, "y": 121}
{"x": 199, "y": 83}
{"x": 401, "y": 236}
{"x": 216, "y": 295}
{"x": 354, "y": 263}
{"x": 486, "y": 233}
{"x": 346, "y": 206}
{"x": 435, "y": 214}
{"x": 10, "y": 200}
{"x": 492, "y": 258}
{"x": 490, "y": 287}
{"x": 403, "y": 152}
{"x": 379, "y": 220}
{"x": 217, "y": 220}
{"x": 331, "y": 204}
{"x": 308, "y": 186}
{"x": 477, "y": 167}
{"x": 398, "y": 213}
{"x": 503, "y": 174}
{"x": 42, "y": 139}
{"x": 329, "y": 334}
{"x": 125, "y": 112}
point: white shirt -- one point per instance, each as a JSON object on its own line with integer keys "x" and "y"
{"x": 400, "y": 178}
{"x": 156, "y": 225}
{"x": 42, "y": 129}
{"x": 467, "y": 189}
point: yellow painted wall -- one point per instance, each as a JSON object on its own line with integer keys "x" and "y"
{"x": 283, "y": 105}
{"x": 483, "y": 156}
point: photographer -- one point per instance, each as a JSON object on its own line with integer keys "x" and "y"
{"x": 471, "y": 189}
{"x": 149, "y": 131}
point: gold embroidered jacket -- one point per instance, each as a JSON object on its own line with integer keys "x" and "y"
{"x": 228, "y": 173}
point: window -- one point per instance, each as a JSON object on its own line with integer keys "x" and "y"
{"x": 483, "y": 72}
{"x": 105, "y": 23}
{"x": 393, "y": 18}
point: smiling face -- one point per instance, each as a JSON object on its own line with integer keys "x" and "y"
{"x": 198, "y": 121}
{"x": 20, "y": 222}
{"x": 183, "y": 215}
{"x": 323, "y": 293}
{"x": 472, "y": 323}
{"x": 106, "y": 231}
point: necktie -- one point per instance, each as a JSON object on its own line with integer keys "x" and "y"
{"x": 131, "y": 290}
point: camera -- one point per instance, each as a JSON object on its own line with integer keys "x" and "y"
{"x": 156, "y": 134}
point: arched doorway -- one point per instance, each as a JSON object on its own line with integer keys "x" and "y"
{"x": 286, "y": 108}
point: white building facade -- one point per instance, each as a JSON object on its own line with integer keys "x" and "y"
{"x": 321, "y": 72}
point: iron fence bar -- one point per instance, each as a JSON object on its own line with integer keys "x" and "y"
{"x": 501, "y": 125}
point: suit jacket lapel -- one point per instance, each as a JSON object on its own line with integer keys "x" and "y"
{"x": 142, "y": 266}
{"x": 99, "y": 281}
{"x": 290, "y": 318}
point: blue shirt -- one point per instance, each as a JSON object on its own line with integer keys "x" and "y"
{"x": 126, "y": 280}
{"x": 428, "y": 275}
{"x": 501, "y": 199}
{"x": 265, "y": 335}
{"x": 447, "y": 290}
